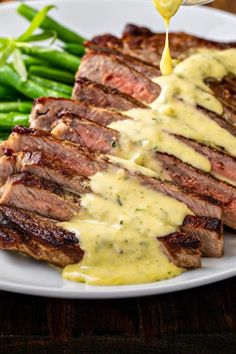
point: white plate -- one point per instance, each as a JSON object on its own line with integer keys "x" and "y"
{"x": 89, "y": 17}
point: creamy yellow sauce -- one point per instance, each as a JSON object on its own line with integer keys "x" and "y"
{"x": 167, "y": 9}
{"x": 119, "y": 228}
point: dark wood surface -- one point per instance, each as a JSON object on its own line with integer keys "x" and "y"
{"x": 196, "y": 321}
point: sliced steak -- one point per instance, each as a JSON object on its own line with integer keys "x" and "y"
{"x": 223, "y": 121}
{"x": 210, "y": 233}
{"x": 46, "y": 110}
{"x": 26, "y": 138}
{"x": 108, "y": 70}
{"x": 200, "y": 205}
{"x": 141, "y": 66}
{"x": 73, "y": 156}
{"x": 43, "y": 166}
{"x": 29, "y": 192}
{"x": 88, "y": 134}
{"x": 221, "y": 164}
{"x": 102, "y": 96}
{"x": 148, "y": 46}
{"x": 142, "y": 43}
{"x": 182, "y": 249}
{"x": 192, "y": 179}
{"x": 38, "y": 237}
{"x": 225, "y": 92}
{"x": 44, "y": 240}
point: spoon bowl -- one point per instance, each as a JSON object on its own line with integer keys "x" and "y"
{"x": 196, "y": 2}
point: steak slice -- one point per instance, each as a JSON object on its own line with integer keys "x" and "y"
{"x": 210, "y": 233}
{"x": 73, "y": 156}
{"x": 200, "y": 205}
{"x": 142, "y": 43}
{"x": 88, "y": 134}
{"x": 46, "y": 110}
{"x": 43, "y": 166}
{"x": 192, "y": 179}
{"x": 44, "y": 240}
{"x": 23, "y": 138}
{"x": 29, "y": 192}
{"x": 225, "y": 121}
{"x": 225, "y": 92}
{"x": 102, "y": 96}
{"x": 141, "y": 66}
{"x": 182, "y": 249}
{"x": 148, "y": 46}
{"x": 108, "y": 70}
{"x": 38, "y": 237}
{"x": 221, "y": 164}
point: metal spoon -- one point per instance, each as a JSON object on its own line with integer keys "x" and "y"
{"x": 196, "y": 2}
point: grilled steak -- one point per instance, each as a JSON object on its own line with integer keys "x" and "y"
{"x": 28, "y": 192}
{"x": 145, "y": 45}
{"x": 182, "y": 249}
{"x": 200, "y": 205}
{"x": 37, "y": 237}
{"x": 72, "y": 155}
{"x": 43, "y": 166}
{"x": 43, "y": 239}
{"x": 100, "y": 139}
{"x": 221, "y": 163}
{"x": 50, "y": 173}
{"x": 227, "y": 121}
{"x": 39, "y": 207}
{"x": 210, "y": 233}
{"x": 108, "y": 70}
{"x": 47, "y": 110}
{"x": 196, "y": 180}
{"x": 88, "y": 134}
{"x": 141, "y": 66}
{"x": 225, "y": 92}
{"x": 102, "y": 96}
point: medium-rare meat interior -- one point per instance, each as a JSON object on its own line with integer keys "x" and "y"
{"x": 131, "y": 180}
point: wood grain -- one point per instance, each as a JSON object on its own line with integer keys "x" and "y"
{"x": 227, "y": 5}
{"x": 196, "y": 321}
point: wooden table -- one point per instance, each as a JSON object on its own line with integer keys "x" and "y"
{"x": 196, "y": 321}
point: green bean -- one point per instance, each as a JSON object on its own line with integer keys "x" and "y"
{"x": 59, "y": 59}
{"x": 30, "y": 61}
{"x": 18, "y": 106}
{"x": 7, "y": 93}
{"x": 28, "y": 88}
{"x": 53, "y": 74}
{"x": 75, "y": 49}
{"x": 63, "y": 33}
{"x": 51, "y": 84}
{"x": 9, "y": 120}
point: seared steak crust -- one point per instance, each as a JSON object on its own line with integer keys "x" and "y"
{"x": 212, "y": 238}
{"x": 38, "y": 237}
{"x": 43, "y": 166}
{"x": 87, "y": 134}
{"x": 108, "y": 70}
{"x": 141, "y": 66}
{"x": 190, "y": 178}
{"x": 29, "y": 192}
{"x": 46, "y": 110}
{"x": 142, "y": 43}
{"x": 221, "y": 163}
{"x": 73, "y": 156}
{"x": 182, "y": 249}
{"x": 102, "y": 96}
